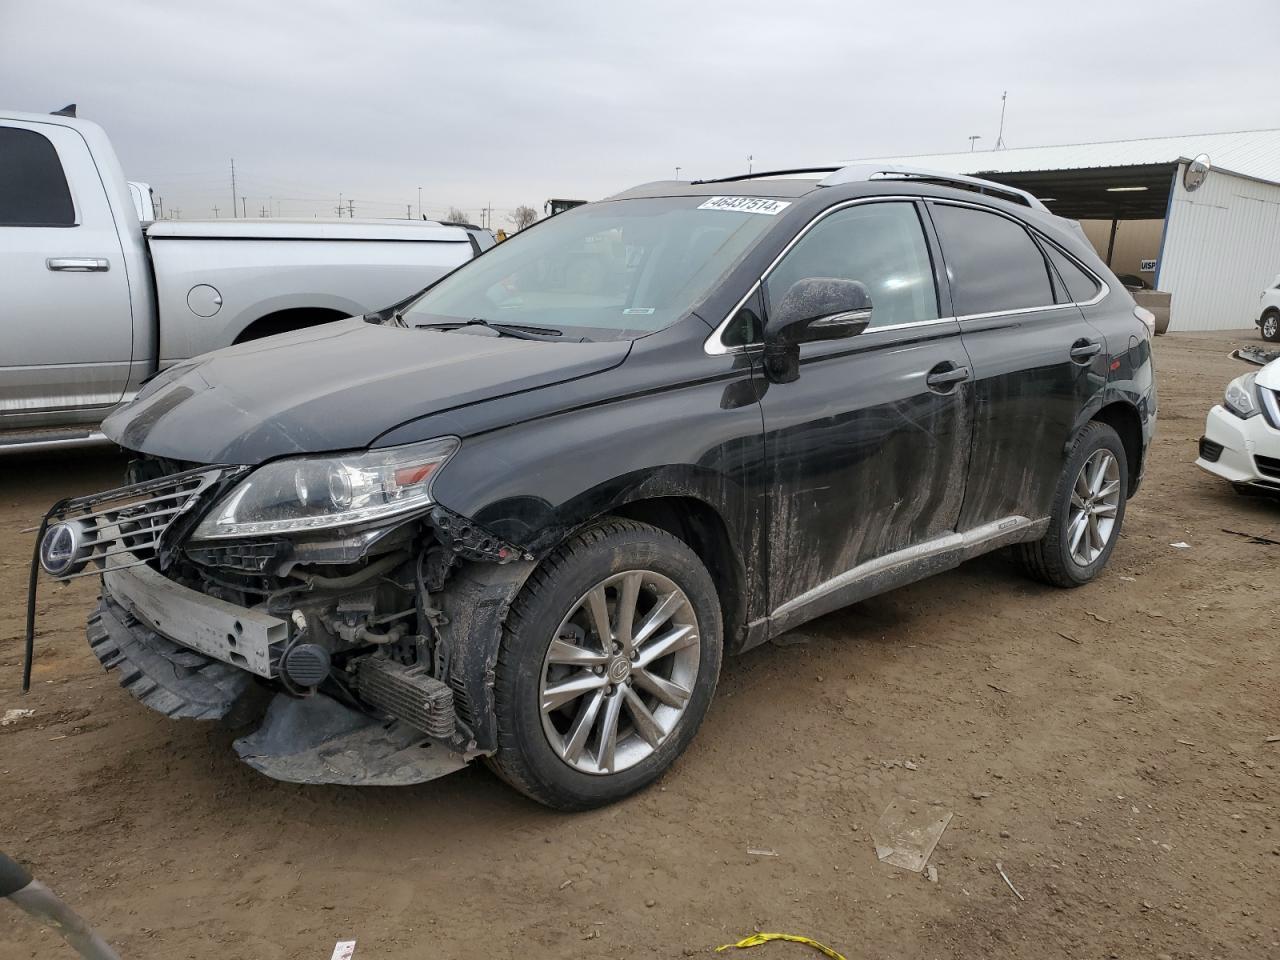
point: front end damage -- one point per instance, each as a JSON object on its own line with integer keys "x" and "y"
{"x": 357, "y": 655}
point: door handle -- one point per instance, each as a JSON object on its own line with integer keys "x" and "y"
{"x": 1083, "y": 350}
{"x": 78, "y": 264}
{"x": 945, "y": 375}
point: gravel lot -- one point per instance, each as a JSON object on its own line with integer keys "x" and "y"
{"x": 1106, "y": 745}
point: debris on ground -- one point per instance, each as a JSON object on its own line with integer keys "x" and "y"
{"x": 758, "y": 938}
{"x": 343, "y": 950}
{"x": 1095, "y": 616}
{"x": 1187, "y": 743}
{"x": 979, "y": 794}
{"x": 1181, "y": 545}
{"x": 13, "y": 716}
{"x": 907, "y": 832}
{"x": 1005, "y": 876}
{"x": 932, "y": 873}
{"x": 1067, "y": 636}
{"x": 1253, "y": 537}
{"x": 1275, "y": 739}
{"x": 761, "y": 852}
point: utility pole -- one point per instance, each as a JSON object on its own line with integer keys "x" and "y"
{"x": 177, "y": 213}
{"x": 339, "y": 206}
{"x": 244, "y": 207}
{"x": 1000, "y": 136}
{"x": 262, "y": 212}
{"x": 233, "y": 187}
{"x": 677, "y": 173}
{"x": 215, "y": 211}
{"x": 488, "y": 220}
{"x": 160, "y": 205}
{"x": 351, "y": 209}
{"x": 749, "y": 159}
{"x": 419, "y": 203}
{"x": 408, "y": 211}
{"x": 976, "y": 136}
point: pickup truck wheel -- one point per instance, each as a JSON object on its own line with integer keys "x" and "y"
{"x": 1088, "y": 510}
{"x": 608, "y": 662}
{"x": 1270, "y": 326}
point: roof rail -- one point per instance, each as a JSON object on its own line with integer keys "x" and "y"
{"x": 863, "y": 172}
{"x": 765, "y": 174}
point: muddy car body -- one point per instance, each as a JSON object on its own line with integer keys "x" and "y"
{"x": 652, "y": 430}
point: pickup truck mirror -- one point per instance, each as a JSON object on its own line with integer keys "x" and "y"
{"x": 819, "y": 308}
{"x": 815, "y": 308}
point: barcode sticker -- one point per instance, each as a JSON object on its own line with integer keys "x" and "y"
{"x": 770, "y": 208}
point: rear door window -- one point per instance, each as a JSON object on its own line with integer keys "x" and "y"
{"x": 992, "y": 262}
{"x": 880, "y": 244}
{"x": 33, "y": 188}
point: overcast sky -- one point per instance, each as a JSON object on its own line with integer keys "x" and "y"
{"x": 513, "y": 102}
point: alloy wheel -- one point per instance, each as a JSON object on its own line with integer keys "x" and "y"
{"x": 1095, "y": 501}
{"x": 619, "y": 672}
{"x": 1270, "y": 326}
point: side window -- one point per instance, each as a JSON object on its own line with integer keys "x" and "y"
{"x": 992, "y": 262}
{"x": 1080, "y": 285}
{"x": 33, "y": 188}
{"x": 880, "y": 244}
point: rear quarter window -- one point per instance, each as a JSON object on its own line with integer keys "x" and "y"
{"x": 1081, "y": 286}
{"x": 33, "y": 188}
{"x": 992, "y": 262}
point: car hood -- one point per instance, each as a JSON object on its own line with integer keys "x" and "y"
{"x": 335, "y": 387}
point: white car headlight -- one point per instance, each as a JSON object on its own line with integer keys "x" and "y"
{"x": 1242, "y": 397}
{"x": 313, "y": 493}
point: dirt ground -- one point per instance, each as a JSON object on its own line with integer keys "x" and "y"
{"x": 1106, "y": 745}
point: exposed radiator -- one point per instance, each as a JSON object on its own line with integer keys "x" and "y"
{"x": 408, "y": 694}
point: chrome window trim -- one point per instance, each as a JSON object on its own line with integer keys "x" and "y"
{"x": 714, "y": 345}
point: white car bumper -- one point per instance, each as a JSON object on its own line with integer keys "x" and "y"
{"x": 1242, "y": 451}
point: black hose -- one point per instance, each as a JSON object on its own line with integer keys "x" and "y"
{"x": 13, "y": 876}
{"x": 33, "y": 580}
{"x": 374, "y": 569}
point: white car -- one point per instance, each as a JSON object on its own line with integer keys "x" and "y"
{"x": 1241, "y": 441}
{"x": 1269, "y": 312}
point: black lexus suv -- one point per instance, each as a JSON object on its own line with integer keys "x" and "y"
{"x": 523, "y": 515}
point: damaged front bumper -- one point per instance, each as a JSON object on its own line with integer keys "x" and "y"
{"x": 311, "y": 739}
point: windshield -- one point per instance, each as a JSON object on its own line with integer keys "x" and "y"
{"x": 601, "y": 271}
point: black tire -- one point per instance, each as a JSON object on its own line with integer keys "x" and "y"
{"x": 1049, "y": 559}
{"x": 1269, "y": 326}
{"x": 525, "y": 758}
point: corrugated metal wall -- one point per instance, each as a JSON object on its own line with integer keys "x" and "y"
{"x": 1221, "y": 248}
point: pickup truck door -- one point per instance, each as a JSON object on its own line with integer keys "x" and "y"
{"x": 867, "y": 450}
{"x": 66, "y": 321}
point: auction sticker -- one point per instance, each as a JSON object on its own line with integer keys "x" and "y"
{"x": 770, "y": 208}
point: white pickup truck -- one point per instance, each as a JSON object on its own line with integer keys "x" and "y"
{"x": 93, "y": 300}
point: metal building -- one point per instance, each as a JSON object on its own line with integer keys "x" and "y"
{"x": 1197, "y": 217}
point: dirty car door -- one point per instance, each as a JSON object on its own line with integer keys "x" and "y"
{"x": 1037, "y": 363}
{"x": 867, "y": 450}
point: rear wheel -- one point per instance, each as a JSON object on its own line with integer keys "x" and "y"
{"x": 609, "y": 660}
{"x": 1088, "y": 510}
{"x": 1270, "y": 326}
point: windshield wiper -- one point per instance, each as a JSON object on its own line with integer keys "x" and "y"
{"x": 520, "y": 331}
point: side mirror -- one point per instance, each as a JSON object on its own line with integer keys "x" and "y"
{"x": 819, "y": 308}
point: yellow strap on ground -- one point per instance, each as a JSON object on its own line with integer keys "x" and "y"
{"x": 758, "y": 938}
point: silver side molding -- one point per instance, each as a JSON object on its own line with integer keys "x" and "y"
{"x": 902, "y": 567}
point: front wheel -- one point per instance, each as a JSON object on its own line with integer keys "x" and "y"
{"x": 608, "y": 662}
{"x": 1270, "y": 327}
{"x": 1088, "y": 510}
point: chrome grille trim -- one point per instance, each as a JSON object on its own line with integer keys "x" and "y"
{"x": 129, "y": 522}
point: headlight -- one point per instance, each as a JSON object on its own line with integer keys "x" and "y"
{"x": 1242, "y": 396}
{"x": 313, "y": 493}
